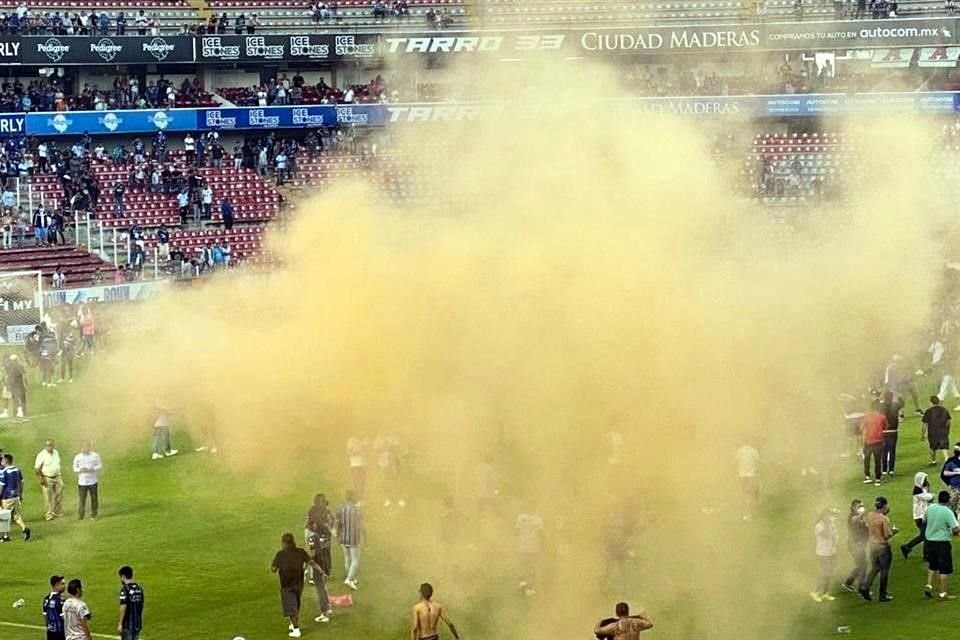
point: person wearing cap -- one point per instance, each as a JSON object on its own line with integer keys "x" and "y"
{"x": 879, "y": 555}
{"x": 941, "y": 527}
{"x": 47, "y": 468}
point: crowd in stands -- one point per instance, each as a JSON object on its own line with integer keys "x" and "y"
{"x": 26, "y": 21}
{"x": 283, "y": 90}
{"x": 125, "y": 93}
{"x": 381, "y": 10}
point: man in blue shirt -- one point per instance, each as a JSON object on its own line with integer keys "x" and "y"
{"x": 951, "y": 476}
{"x": 53, "y": 608}
{"x": 11, "y": 490}
{"x": 131, "y": 605}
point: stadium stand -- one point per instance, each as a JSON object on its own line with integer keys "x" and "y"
{"x": 77, "y": 264}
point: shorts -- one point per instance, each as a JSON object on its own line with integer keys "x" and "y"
{"x": 290, "y": 601}
{"x": 55, "y": 635}
{"x": 939, "y": 556}
{"x": 938, "y": 441}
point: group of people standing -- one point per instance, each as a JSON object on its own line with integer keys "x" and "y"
{"x": 68, "y": 618}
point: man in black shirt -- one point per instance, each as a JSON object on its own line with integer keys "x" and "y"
{"x": 290, "y": 563}
{"x": 131, "y": 605}
{"x": 891, "y": 408}
{"x": 936, "y": 427}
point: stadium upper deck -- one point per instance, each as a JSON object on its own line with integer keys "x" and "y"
{"x": 166, "y": 17}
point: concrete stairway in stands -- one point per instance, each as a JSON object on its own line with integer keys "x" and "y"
{"x": 77, "y": 264}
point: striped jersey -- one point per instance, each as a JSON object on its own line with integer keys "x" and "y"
{"x": 53, "y": 612}
{"x": 349, "y": 524}
{"x": 11, "y": 480}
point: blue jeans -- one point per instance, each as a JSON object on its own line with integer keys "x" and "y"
{"x": 161, "y": 440}
{"x": 351, "y": 560}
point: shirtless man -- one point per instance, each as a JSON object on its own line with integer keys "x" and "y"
{"x": 625, "y": 627}
{"x": 425, "y": 617}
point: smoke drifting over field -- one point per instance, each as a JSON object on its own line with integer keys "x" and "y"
{"x": 592, "y": 277}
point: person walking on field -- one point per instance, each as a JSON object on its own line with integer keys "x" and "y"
{"x": 11, "y": 493}
{"x": 936, "y": 429}
{"x": 87, "y": 466}
{"x": 47, "y": 468}
{"x": 941, "y": 527}
{"x": 350, "y": 531}
{"x": 290, "y": 563}
{"x": 872, "y": 427}
{"x": 950, "y": 474}
{"x": 921, "y": 500}
{"x": 161, "y": 434}
{"x": 625, "y": 627}
{"x": 891, "y": 408}
{"x": 878, "y": 550}
{"x": 426, "y": 615}
{"x": 857, "y": 535}
{"x": 827, "y": 536}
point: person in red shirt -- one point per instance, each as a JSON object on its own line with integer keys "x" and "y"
{"x": 872, "y": 427}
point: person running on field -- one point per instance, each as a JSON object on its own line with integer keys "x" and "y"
{"x": 941, "y": 527}
{"x": 857, "y": 535}
{"x": 289, "y": 563}
{"x": 936, "y": 429}
{"x": 921, "y": 500}
{"x": 426, "y": 615}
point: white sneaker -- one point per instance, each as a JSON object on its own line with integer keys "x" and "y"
{"x": 386, "y": 503}
{"x": 172, "y": 452}
{"x": 867, "y": 481}
{"x": 200, "y": 449}
{"x": 156, "y": 456}
{"x": 290, "y": 627}
{"x": 295, "y": 633}
{"x": 5, "y": 414}
{"x": 19, "y": 413}
{"x": 352, "y": 584}
{"x": 816, "y": 596}
{"x": 321, "y": 618}
{"x": 402, "y": 503}
{"x": 213, "y": 449}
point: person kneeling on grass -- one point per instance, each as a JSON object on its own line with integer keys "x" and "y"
{"x": 941, "y": 527}
{"x": 827, "y": 536}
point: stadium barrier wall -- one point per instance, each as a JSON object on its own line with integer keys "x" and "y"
{"x": 353, "y": 45}
{"x": 73, "y": 123}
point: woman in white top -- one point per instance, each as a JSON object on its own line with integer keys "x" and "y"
{"x": 921, "y": 500}
{"x": 827, "y": 536}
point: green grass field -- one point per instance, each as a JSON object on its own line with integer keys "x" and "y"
{"x": 201, "y": 543}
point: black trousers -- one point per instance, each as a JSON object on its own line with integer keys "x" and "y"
{"x": 881, "y": 557}
{"x": 93, "y": 492}
{"x": 874, "y": 450}
{"x": 888, "y": 458}
{"x": 921, "y": 535}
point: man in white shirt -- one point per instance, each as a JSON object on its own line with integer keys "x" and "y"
{"x": 87, "y": 466}
{"x": 76, "y": 614}
{"x": 47, "y": 468}
{"x": 206, "y": 198}
{"x": 190, "y": 149}
{"x": 748, "y": 470}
